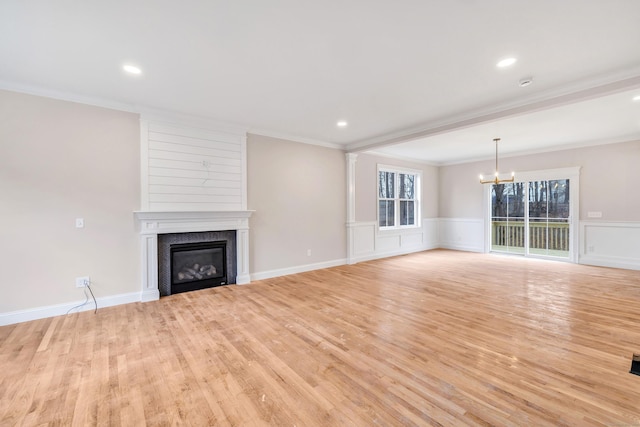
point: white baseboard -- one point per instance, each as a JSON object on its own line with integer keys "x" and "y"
{"x": 612, "y": 262}
{"x": 297, "y": 269}
{"x": 61, "y": 309}
{"x": 152, "y": 295}
{"x": 380, "y": 255}
{"x": 462, "y": 247}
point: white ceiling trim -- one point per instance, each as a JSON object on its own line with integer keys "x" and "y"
{"x": 551, "y": 149}
{"x": 404, "y": 158}
{"x": 545, "y": 101}
{"x": 146, "y": 113}
{"x": 293, "y": 138}
{"x": 66, "y": 96}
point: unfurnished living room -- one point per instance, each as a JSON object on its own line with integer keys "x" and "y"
{"x": 359, "y": 213}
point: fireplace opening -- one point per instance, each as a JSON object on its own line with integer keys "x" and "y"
{"x": 198, "y": 266}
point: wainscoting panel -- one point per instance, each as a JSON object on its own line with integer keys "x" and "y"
{"x": 462, "y": 234}
{"x": 610, "y": 244}
{"x": 364, "y": 238}
{"x": 369, "y": 243}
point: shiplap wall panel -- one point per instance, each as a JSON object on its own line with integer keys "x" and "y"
{"x": 193, "y": 198}
{"x": 184, "y": 164}
{"x": 178, "y": 147}
{"x": 193, "y": 169}
{"x": 193, "y": 207}
{"x": 202, "y": 175}
{"x": 193, "y": 182}
{"x": 179, "y": 189}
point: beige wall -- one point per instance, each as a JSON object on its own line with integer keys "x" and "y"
{"x": 298, "y": 192}
{"x": 367, "y": 185}
{"x": 60, "y": 161}
{"x": 608, "y": 180}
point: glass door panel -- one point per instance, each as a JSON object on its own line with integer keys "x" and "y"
{"x": 544, "y": 230}
{"x": 507, "y": 218}
{"x": 549, "y": 218}
{"x": 538, "y": 217}
{"x": 558, "y": 218}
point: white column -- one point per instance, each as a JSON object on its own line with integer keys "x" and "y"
{"x": 150, "y": 290}
{"x": 242, "y": 255}
{"x": 351, "y": 205}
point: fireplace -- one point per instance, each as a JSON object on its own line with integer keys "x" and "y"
{"x": 197, "y": 266}
{"x": 160, "y": 230}
{"x": 192, "y": 261}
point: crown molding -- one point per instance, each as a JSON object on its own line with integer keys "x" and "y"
{"x": 551, "y": 149}
{"x": 403, "y": 158}
{"x": 193, "y": 121}
{"x": 67, "y": 96}
{"x": 293, "y": 138}
{"x": 146, "y": 113}
{"x": 576, "y": 92}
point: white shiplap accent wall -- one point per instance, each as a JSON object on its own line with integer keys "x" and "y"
{"x": 192, "y": 169}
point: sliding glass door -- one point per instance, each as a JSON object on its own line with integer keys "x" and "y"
{"x": 531, "y": 218}
{"x": 549, "y": 218}
{"x": 507, "y": 218}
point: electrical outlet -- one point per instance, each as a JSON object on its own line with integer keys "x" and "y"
{"x": 83, "y": 281}
{"x": 79, "y": 222}
{"x": 308, "y": 252}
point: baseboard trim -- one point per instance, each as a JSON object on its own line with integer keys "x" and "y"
{"x": 152, "y": 295}
{"x": 297, "y": 269}
{"x": 20, "y": 316}
{"x": 611, "y": 262}
{"x": 379, "y": 255}
{"x": 463, "y": 248}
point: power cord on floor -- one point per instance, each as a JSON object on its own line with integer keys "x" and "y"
{"x": 86, "y": 299}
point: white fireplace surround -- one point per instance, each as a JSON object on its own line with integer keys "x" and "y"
{"x": 152, "y": 223}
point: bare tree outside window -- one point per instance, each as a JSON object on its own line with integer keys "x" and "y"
{"x": 397, "y": 202}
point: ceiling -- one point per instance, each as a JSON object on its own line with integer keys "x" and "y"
{"x": 413, "y": 78}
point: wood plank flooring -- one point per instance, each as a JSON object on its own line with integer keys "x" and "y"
{"x": 433, "y": 338}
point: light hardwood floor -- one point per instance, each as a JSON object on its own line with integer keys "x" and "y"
{"x": 433, "y": 338}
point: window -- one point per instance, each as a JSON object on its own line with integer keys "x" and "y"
{"x": 398, "y": 204}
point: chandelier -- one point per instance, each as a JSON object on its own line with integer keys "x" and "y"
{"x": 496, "y": 179}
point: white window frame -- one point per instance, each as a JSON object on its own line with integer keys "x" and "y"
{"x": 396, "y": 191}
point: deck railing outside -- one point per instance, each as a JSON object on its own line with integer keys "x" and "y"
{"x": 511, "y": 234}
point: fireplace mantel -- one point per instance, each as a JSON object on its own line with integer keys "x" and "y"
{"x": 152, "y": 223}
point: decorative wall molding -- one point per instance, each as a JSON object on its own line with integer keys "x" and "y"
{"x": 610, "y": 244}
{"x": 368, "y": 242}
{"x": 462, "y": 234}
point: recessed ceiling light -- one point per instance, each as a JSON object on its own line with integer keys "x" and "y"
{"x": 132, "y": 69}
{"x": 636, "y": 98}
{"x": 342, "y": 123}
{"x": 506, "y": 62}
